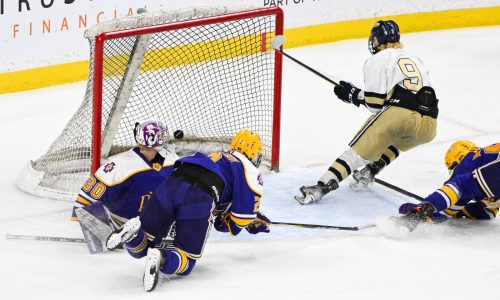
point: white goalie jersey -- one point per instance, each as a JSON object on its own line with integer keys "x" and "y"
{"x": 125, "y": 182}
{"x": 388, "y": 68}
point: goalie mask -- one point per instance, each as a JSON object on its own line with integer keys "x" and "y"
{"x": 249, "y": 144}
{"x": 457, "y": 151}
{"x": 150, "y": 133}
{"x": 383, "y": 32}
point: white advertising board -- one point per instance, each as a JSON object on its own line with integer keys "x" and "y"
{"x": 39, "y": 33}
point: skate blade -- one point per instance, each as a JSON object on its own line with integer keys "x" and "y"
{"x": 150, "y": 281}
{"x": 152, "y": 273}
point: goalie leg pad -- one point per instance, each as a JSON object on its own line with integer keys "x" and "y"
{"x": 95, "y": 226}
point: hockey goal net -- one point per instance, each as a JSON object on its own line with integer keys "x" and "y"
{"x": 206, "y": 71}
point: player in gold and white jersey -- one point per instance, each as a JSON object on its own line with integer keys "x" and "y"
{"x": 399, "y": 93}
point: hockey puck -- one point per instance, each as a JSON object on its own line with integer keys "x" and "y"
{"x": 178, "y": 134}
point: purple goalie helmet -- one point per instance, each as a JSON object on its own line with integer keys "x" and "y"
{"x": 150, "y": 133}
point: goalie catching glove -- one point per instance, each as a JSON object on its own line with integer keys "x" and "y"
{"x": 260, "y": 224}
{"x": 347, "y": 92}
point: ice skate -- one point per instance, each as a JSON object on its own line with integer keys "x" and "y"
{"x": 128, "y": 232}
{"x": 364, "y": 177}
{"x": 361, "y": 179}
{"x": 314, "y": 193}
{"x": 154, "y": 261}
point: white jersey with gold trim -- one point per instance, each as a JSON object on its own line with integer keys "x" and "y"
{"x": 124, "y": 182}
{"x": 388, "y": 68}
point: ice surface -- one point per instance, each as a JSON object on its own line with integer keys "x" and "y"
{"x": 457, "y": 260}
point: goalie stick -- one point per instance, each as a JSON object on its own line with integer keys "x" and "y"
{"x": 279, "y": 40}
{"x": 9, "y": 236}
{"x": 316, "y": 226}
{"x": 166, "y": 243}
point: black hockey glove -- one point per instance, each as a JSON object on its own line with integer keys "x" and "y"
{"x": 221, "y": 222}
{"x": 260, "y": 224}
{"x": 347, "y": 92}
{"x": 416, "y": 215}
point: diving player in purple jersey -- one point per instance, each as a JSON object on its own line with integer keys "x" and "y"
{"x": 471, "y": 191}
{"x": 224, "y": 185}
{"x": 123, "y": 184}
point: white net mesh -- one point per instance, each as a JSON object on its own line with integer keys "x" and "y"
{"x": 209, "y": 81}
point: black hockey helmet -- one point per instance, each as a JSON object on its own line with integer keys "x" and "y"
{"x": 383, "y": 32}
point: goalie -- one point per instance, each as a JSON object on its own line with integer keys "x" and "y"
{"x": 120, "y": 188}
{"x": 226, "y": 185}
{"x": 471, "y": 191}
{"x": 397, "y": 90}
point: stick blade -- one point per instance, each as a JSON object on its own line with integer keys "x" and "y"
{"x": 277, "y": 42}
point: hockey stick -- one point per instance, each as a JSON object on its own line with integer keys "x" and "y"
{"x": 398, "y": 189}
{"x": 9, "y": 236}
{"x": 315, "y": 226}
{"x": 279, "y": 40}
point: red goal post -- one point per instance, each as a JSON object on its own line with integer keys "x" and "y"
{"x": 98, "y": 68}
{"x": 206, "y": 71}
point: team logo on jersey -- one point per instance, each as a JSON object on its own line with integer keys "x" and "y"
{"x": 109, "y": 167}
{"x": 260, "y": 179}
{"x": 157, "y": 167}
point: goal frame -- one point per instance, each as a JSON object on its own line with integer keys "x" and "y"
{"x": 98, "y": 70}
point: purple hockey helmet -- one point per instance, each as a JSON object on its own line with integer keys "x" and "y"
{"x": 150, "y": 133}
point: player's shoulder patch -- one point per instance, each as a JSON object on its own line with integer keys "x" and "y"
{"x": 109, "y": 167}
{"x": 252, "y": 175}
{"x": 119, "y": 167}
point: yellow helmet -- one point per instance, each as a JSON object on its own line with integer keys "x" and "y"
{"x": 249, "y": 144}
{"x": 457, "y": 151}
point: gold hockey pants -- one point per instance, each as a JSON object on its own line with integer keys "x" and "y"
{"x": 393, "y": 126}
